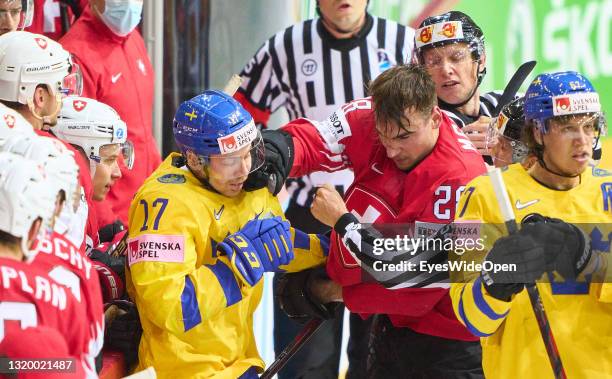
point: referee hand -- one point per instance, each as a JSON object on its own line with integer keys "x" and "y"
{"x": 477, "y": 133}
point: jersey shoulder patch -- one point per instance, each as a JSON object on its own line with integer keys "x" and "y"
{"x": 601, "y": 172}
{"x": 172, "y": 179}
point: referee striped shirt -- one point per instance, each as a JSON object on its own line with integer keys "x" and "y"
{"x": 311, "y": 73}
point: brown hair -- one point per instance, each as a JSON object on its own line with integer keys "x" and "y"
{"x": 399, "y": 88}
{"x": 529, "y": 140}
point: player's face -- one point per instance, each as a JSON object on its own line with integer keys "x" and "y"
{"x": 453, "y": 70}
{"x": 408, "y": 145}
{"x": 10, "y": 15}
{"x": 568, "y": 145}
{"x": 344, "y": 15}
{"x": 107, "y": 171}
{"x": 227, "y": 173}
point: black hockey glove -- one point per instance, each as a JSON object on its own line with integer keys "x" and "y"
{"x": 278, "y": 162}
{"x": 296, "y": 300}
{"x": 541, "y": 245}
{"x": 124, "y": 330}
{"x": 107, "y": 233}
{"x": 571, "y": 251}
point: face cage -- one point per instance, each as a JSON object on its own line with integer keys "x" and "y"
{"x": 601, "y": 129}
{"x": 257, "y": 154}
{"x": 473, "y": 47}
{"x": 519, "y": 149}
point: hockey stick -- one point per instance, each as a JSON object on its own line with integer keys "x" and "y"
{"x": 232, "y": 85}
{"x": 534, "y": 295}
{"x": 311, "y": 327}
{"x": 513, "y": 86}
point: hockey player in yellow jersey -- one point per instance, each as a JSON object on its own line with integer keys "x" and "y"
{"x": 199, "y": 245}
{"x": 563, "y": 243}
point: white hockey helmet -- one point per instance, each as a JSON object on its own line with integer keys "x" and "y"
{"x": 28, "y": 60}
{"x": 90, "y": 125}
{"x": 19, "y": 12}
{"x": 62, "y": 171}
{"x": 12, "y": 122}
{"x": 24, "y": 196}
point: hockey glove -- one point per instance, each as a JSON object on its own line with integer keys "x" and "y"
{"x": 111, "y": 271}
{"x": 294, "y": 295}
{"x": 108, "y": 232}
{"x": 279, "y": 159}
{"x": 124, "y": 330}
{"x": 569, "y": 245}
{"x": 262, "y": 245}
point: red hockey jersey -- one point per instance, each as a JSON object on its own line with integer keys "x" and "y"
{"x": 382, "y": 193}
{"x": 30, "y": 298}
{"x": 91, "y": 224}
{"x": 69, "y": 266}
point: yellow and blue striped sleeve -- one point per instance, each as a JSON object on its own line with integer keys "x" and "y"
{"x": 310, "y": 250}
{"x": 479, "y": 312}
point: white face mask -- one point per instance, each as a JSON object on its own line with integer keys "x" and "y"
{"x": 122, "y": 16}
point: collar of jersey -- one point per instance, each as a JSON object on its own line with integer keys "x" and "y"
{"x": 345, "y": 44}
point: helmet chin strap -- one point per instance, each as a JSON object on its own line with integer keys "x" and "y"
{"x": 444, "y": 104}
{"x": 543, "y": 164}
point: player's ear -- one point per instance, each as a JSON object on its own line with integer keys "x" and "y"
{"x": 483, "y": 61}
{"x": 537, "y": 136}
{"x": 33, "y": 232}
{"x": 436, "y": 117}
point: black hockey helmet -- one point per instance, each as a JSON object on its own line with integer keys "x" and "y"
{"x": 509, "y": 125}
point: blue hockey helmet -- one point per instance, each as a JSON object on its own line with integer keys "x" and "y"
{"x": 561, "y": 94}
{"x": 215, "y": 125}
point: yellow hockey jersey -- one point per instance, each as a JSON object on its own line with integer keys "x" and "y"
{"x": 197, "y": 319}
{"x": 580, "y": 312}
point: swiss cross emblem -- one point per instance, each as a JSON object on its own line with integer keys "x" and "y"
{"x": 79, "y": 105}
{"x": 41, "y": 42}
{"x": 10, "y": 120}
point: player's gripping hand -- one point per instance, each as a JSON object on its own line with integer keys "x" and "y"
{"x": 262, "y": 245}
{"x": 566, "y": 243}
{"x": 278, "y": 161}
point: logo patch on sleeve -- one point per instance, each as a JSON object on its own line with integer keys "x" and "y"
{"x": 156, "y": 248}
{"x": 172, "y": 179}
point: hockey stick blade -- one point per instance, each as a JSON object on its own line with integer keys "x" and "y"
{"x": 513, "y": 85}
{"x": 311, "y": 327}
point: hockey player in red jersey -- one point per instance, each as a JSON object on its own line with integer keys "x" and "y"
{"x": 411, "y": 163}
{"x": 30, "y": 297}
{"x": 61, "y": 260}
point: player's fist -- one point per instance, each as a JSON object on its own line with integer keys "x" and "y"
{"x": 278, "y": 161}
{"x": 243, "y": 258}
{"x": 272, "y": 240}
{"x": 262, "y": 245}
{"x": 328, "y": 206}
